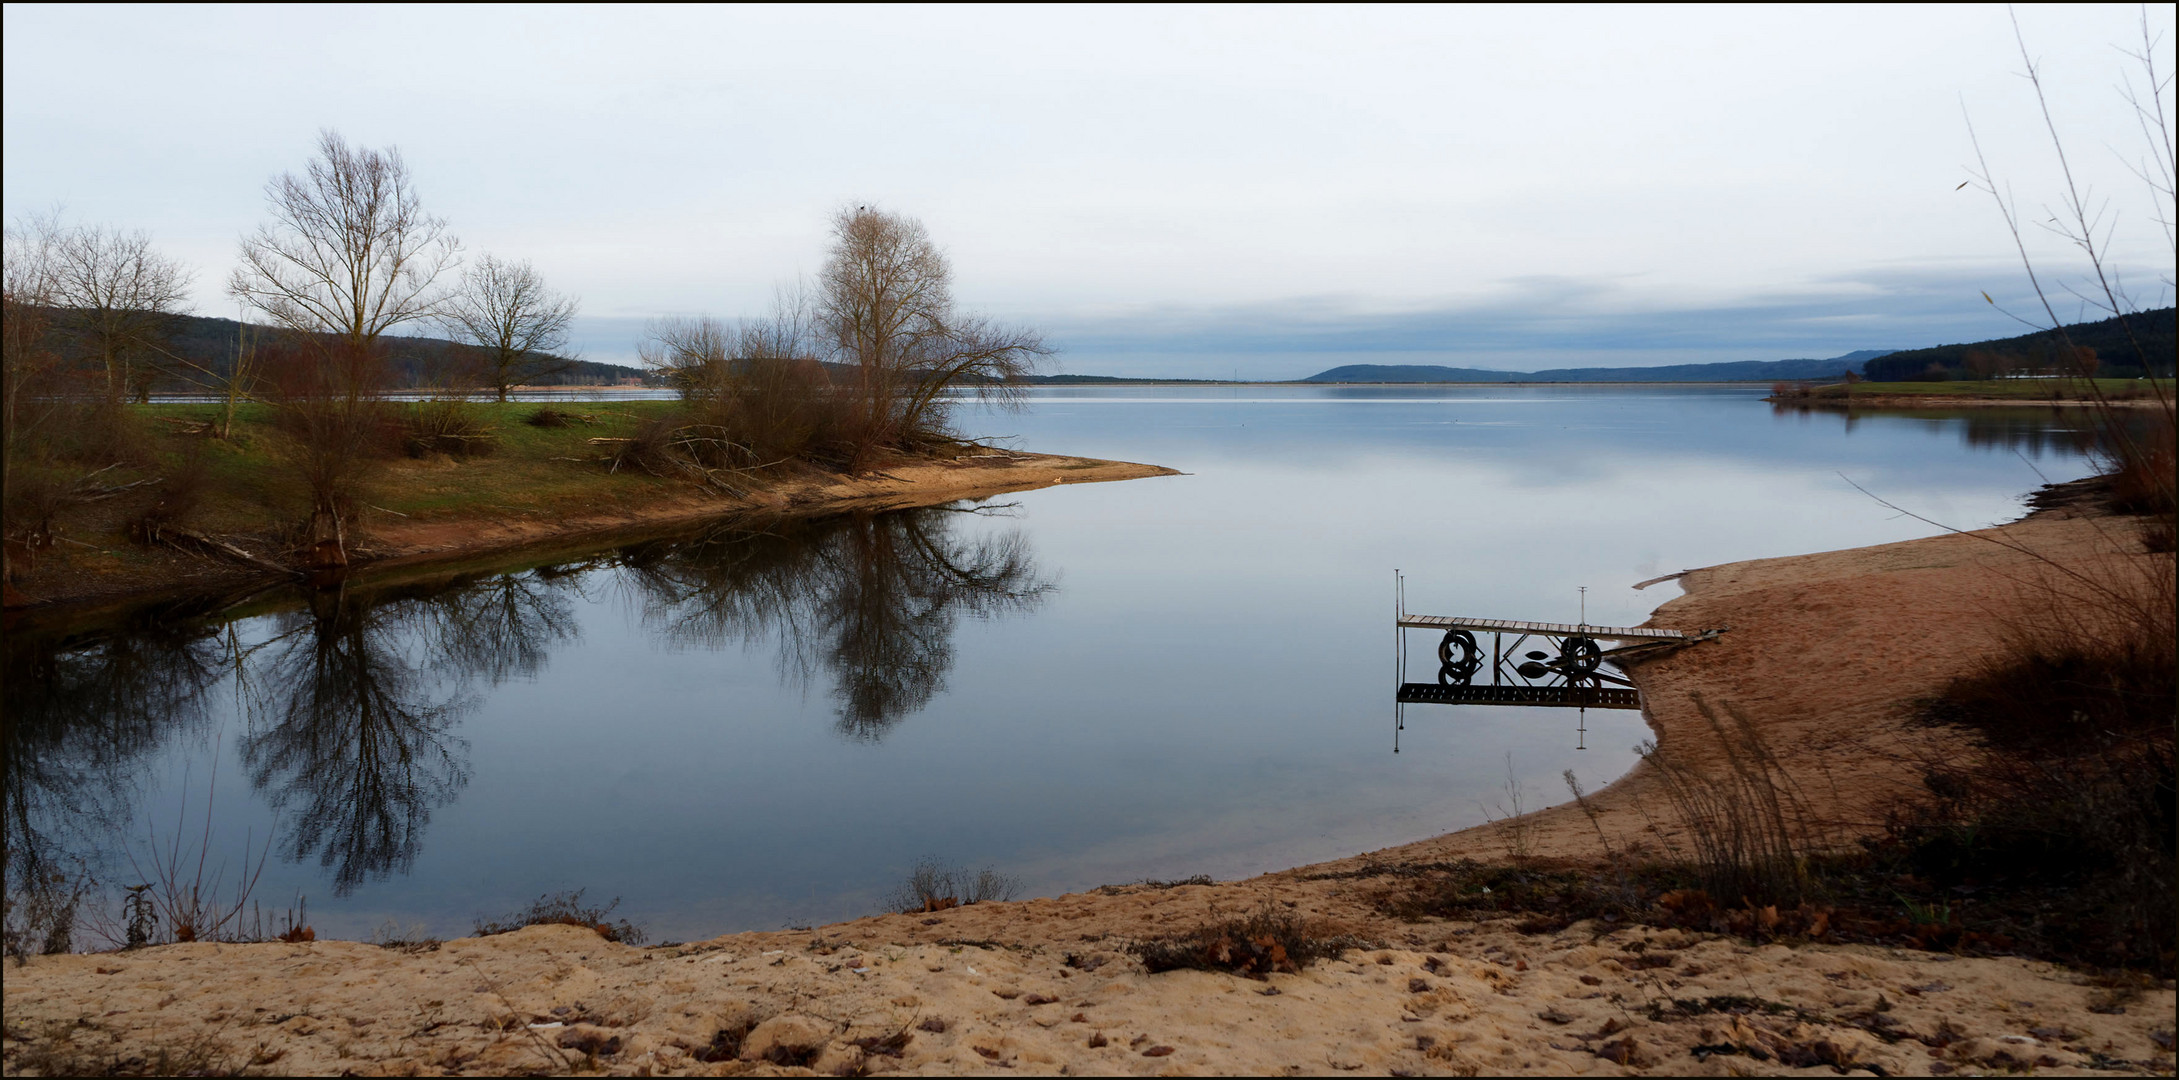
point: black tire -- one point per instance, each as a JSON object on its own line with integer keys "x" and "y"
{"x": 1458, "y": 657}
{"x": 1579, "y": 657}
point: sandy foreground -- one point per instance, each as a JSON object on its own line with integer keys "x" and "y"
{"x": 1825, "y": 655}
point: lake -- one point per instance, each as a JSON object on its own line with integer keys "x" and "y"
{"x": 770, "y": 725}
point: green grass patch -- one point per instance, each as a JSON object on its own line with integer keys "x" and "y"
{"x": 529, "y": 469}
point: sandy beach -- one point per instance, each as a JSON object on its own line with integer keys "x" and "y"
{"x": 1826, "y": 655}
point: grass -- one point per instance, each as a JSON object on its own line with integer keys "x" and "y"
{"x": 530, "y": 468}
{"x": 174, "y": 482}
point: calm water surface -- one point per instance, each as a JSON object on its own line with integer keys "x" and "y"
{"x": 759, "y": 727}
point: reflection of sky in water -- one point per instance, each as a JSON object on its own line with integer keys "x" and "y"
{"x": 1207, "y": 689}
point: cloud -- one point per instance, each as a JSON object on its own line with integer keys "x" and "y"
{"x": 1533, "y": 323}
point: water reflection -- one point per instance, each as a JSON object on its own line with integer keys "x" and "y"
{"x": 2034, "y": 431}
{"x": 352, "y": 698}
{"x": 870, "y": 599}
{"x": 351, "y": 737}
{"x": 82, "y": 716}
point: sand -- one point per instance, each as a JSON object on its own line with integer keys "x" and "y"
{"x": 1825, "y": 656}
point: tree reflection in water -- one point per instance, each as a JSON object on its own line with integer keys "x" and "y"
{"x": 353, "y": 705}
{"x": 81, "y": 715}
{"x": 352, "y": 698}
{"x": 871, "y": 598}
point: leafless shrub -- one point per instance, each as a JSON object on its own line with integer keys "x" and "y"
{"x": 1268, "y": 940}
{"x": 2080, "y": 218}
{"x": 937, "y": 886}
{"x": 1516, "y": 828}
{"x": 178, "y": 496}
{"x": 412, "y": 938}
{"x": 451, "y": 426}
{"x": 185, "y": 899}
{"x": 40, "y": 913}
{"x": 338, "y": 430}
{"x": 566, "y": 909}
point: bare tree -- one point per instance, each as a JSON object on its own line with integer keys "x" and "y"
{"x": 349, "y": 250}
{"x": 27, "y": 358}
{"x": 118, "y": 298}
{"x": 348, "y": 255}
{"x": 885, "y": 305}
{"x": 506, "y": 309}
{"x": 692, "y": 354}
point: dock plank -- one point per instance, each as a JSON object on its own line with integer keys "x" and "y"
{"x": 1519, "y": 626}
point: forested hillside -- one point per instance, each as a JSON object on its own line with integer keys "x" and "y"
{"x": 417, "y": 361}
{"x": 1731, "y": 371}
{"x": 2116, "y": 349}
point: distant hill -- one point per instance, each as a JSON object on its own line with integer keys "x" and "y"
{"x": 1731, "y": 371}
{"x": 212, "y": 341}
{"x": 2116, "y": 356}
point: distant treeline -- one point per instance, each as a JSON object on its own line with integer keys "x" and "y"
{"x": 416, "y": 361}
{"x": 1731, "y": 371}
{"x": 2114, "y": 348}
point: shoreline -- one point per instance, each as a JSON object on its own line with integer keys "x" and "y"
{"x": 1932, "y": 401}
{"x": 1827, "y": 654}
{"x": 386, "y": 543}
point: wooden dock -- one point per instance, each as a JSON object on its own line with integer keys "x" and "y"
{"x": 1518, "y": 626}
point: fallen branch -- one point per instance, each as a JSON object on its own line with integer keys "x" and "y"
{"x": 220, "y": 547}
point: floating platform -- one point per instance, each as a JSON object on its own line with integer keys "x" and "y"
{"x": 1574, "y": 696}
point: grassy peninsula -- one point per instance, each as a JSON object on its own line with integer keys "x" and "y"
{"x": 181, "y": 509}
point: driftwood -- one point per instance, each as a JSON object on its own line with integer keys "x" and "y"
{"x": 93, "y": 492}
{"x": 171, "y": 535}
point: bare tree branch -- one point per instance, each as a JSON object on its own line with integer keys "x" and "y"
{"x": 506, "y": 309}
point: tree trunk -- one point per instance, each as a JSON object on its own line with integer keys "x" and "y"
{"x": 328, "y": 549}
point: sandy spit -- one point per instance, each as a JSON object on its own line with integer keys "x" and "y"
{"x": 1824, "y": 654}
{"x": 69, "y": 588}
{"x": 394, "y": 542}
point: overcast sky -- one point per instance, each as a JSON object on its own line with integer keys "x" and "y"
{"x": 1164, "y": 191}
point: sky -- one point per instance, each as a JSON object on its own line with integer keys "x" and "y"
{"x": 1187, "y": 192}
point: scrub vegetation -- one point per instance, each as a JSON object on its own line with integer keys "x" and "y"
{"x": 304, "y": 440}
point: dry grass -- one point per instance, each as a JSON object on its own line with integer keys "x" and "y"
{"x": 562, "y": 909}
{"x": 1268, "y": 940}
{"x": 937, "y": 886}
{"x": 2074, "y": 789}
{"x": 1751, "y": 832}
